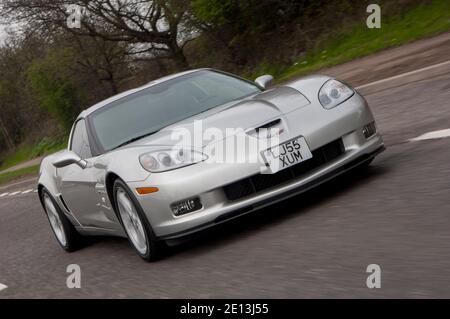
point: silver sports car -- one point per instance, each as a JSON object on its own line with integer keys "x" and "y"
{"x": 195, "y": 149}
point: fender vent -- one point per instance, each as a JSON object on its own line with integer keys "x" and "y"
{"x": 64, "y": 203}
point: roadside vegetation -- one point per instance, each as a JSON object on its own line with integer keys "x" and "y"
{"x": 20, "y": 173}
{"x": 355, "y": 41}
{"x": 25, "y": 152}
{"x": 51, "y": 72}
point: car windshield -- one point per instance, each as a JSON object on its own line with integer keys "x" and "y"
{"x": 163, "y": 104}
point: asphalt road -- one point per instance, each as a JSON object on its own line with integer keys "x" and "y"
{"x": 314, "y": 245}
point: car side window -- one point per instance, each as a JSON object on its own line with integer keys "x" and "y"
{"x": 80, "y": 142}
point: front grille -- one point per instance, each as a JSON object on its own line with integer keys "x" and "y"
{"x": 260, "y": 182}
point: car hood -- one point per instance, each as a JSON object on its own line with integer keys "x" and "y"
{"x": 250, "y": 112}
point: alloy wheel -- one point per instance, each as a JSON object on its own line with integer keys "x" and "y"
{"x": 131, "y": 221}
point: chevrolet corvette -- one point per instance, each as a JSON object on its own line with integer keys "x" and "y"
{"x": 125, "y": 174}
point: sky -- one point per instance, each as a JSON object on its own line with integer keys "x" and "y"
{"x": 3, "y": 31}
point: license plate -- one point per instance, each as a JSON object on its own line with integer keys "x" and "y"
{"x": 287, "y": 154}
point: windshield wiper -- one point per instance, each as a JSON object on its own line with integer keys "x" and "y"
{"x": 135, "y": 139}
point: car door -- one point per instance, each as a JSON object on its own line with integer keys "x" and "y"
{"x": 78, "y": 185}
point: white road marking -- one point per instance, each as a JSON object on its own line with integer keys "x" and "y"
{"x": 28, "y": 191}
{"x": 432, "y": 135}
{"x": 434, "y": 66}
{"x": 19, "y": 183}
{"x": 3, "y": 287}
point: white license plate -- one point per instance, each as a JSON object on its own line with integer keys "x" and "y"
{"x": 287, "y": 154}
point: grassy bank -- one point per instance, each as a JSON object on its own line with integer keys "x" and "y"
{"x": 11, "y": 176}
{"x": 27, "y": 152}
{"x": 357, "y": 41}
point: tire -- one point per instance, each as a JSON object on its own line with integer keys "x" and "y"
{"x": 65, "y": 233}
{"x": 135, "y": 224}
{"x": 364, "y": 167}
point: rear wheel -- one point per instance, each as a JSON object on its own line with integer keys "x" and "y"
{"x": 65, "y": 233}
{"x": 135, "y": 223}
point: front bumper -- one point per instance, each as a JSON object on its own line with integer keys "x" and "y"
{"x": 276, "y": 198}
{"x": 206, "y": 181}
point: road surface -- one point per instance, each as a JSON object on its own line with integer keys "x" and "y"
{"x": 318, "y": 244}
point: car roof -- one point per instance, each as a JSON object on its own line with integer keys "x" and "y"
{"x": 114, "y": 98}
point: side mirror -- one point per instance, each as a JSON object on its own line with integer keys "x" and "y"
{"x": 264, "y": 81}
{"x": 67, "y": 158}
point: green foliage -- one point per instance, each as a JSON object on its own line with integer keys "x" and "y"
{"x": 242, "y": 21}
{"x": 20, "y": 155}
{"x": 26, "y": 152}
{"x": 53, "y": 87}
{"x": 217, "y": 12}
{"x": 6, "y": 90}
{"x": 47, "y": 145}
{"x": 357, "y": 40}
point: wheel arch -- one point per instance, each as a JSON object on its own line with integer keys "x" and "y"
{"x": 47, "y": 178}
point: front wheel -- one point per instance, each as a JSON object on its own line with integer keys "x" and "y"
{"x": 364, "y": 167}
{"x": 65, "y": 233}
{"x": 134, "y": 222}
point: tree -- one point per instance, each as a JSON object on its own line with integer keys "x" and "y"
{"x": 16, "y": 113}
{"x": 108, "y": 62}
{"x": 53, "y": 87}
{"x": 5, "y": 98}
{"x": 239, "y": 24}
{"x": 156, "y": 28}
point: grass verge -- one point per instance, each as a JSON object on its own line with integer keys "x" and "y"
{"x": 28, "y": 152}
{"x": 356, "y": 41}
{"x": 11, "y": 176}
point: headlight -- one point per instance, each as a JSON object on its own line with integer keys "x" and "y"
{"x": 334, "y": 93}
{"x": 171, "y": 159}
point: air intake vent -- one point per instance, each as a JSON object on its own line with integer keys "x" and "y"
{"x": 265, "y": 131}
{"x": 268, "y": 125}
{"x": 257, "y": 183}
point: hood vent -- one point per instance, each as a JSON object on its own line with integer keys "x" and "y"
{"x": 270, "y": 125}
